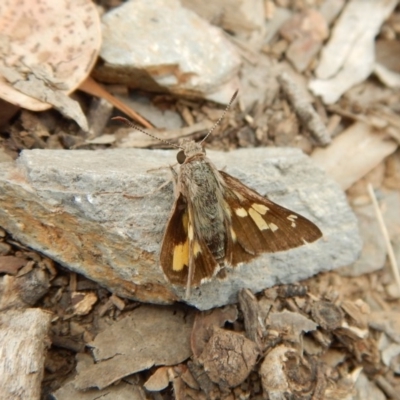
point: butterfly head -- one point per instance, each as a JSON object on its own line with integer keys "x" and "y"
{"x": 189, "y": 148}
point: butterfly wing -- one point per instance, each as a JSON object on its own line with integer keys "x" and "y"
{"x": 259, "y": 225}
{"x": 185, "y": 257}
{"x": 253, "y": 224}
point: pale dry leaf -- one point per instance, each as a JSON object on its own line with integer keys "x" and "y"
{"x": 63, "y": 38}
{"x": 83, "y": 302}
{"x": 272, "y": 371}
{"x": 354, "y": 153}
{"x": 290, "y": 324}
{"x": 158, "y": 381}
{"x": 103, "y": 139}
{"x": 39, "y": 86}
{"x": 146, "y": 337}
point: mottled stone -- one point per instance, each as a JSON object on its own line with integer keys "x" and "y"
{"x": 162, "y": 46}
{"x": 78, "y": 207}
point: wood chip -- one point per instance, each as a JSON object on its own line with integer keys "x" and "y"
{"x": 304, "y": 110}
{"x": 23, "y": 342}
{"x": 354, "y": 153}
{"x": 228, "y": 358}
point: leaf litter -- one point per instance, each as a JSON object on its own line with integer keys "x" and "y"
{"x": 330, "y": 337}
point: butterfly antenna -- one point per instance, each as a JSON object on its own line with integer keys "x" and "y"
{"x": 130, "y": 124}
{"x": 222, "y": 116}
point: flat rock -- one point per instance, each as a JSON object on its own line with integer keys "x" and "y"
{"x": 162, "y": 46}
{"x": 348, "y": 57}
{"x": 78, "y": 207}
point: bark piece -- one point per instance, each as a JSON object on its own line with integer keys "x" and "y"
{"x": 305, "y": 32}
{"x": 140, "y": 345}
{"x": 284, "y": 371}
{"x": 290, "y": 324}
{"x": 205, "y": 323}
{"x": 305, "y": 111}
{"x": 228, "y": 358}
{"x": 11, "y": 264}
{"x": 327, "y": 315}
{"x": 252, "y": 320}
{"x": 23, "y": 343}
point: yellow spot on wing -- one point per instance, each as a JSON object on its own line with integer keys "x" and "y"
{"x": 181, "y": 256}
{"x": 292, "y": 218}
{"x": 233, "y": 234}
{"x": 260, "y": 208}
{"x": 241, "y": 212}
{"x": 190, "y": 234}
{"x": 258, "y": 219}
{"x": 196, "y": 248}
{"x": 273, "y": 227}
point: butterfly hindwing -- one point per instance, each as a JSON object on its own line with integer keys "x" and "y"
{"x": 185, "y": 257}
{"x": 174, "y": 254}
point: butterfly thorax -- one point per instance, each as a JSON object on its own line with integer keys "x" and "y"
{"x": 191, "y": 148}
{"x": 201, "y": 182}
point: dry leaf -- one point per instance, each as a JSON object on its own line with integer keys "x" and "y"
{"x": 83, "y": 302}
{"x": 158, "y": 381}
{"x": 11, "y": 265}
{"x": 50, "y": 44}
{"x": 290, "y": 324}
{"x": 140, "y": 345}
{"x": 354, "y": 153}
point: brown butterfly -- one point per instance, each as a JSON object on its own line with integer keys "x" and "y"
{"x": 217, "y": 221}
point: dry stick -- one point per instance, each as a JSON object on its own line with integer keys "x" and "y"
{"x": 385, "y": 233}
{"x": 304, "y": 109}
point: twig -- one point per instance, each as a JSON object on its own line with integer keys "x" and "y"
{"x": 392, "y": 258}
{"x": 304, "y": 109}
{"x": 387, "y": 387}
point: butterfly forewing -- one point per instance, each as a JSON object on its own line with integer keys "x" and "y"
{"x": 259, "y": 225}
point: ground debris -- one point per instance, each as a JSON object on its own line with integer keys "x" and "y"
{"x": 228, "y": 358}
{"x": 310, "y": 74}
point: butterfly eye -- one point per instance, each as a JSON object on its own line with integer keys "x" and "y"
{"x": 180, "y": 157}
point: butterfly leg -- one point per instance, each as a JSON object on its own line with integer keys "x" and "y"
{"x": 162, "y": 167}
{"x": 149, "y": 193}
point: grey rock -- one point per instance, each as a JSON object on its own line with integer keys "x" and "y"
{"x": 373, "y": 254}
{"x": 237, "y": 16}
{"x": 78, "y": 207}
{"x": 162, "y": 46}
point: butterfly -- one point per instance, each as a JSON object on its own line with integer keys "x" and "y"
{"x": 217, "y": 221}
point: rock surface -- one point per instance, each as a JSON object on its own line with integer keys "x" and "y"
{"x": 162, "y": 46}
{"x": 78, "y": 207}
